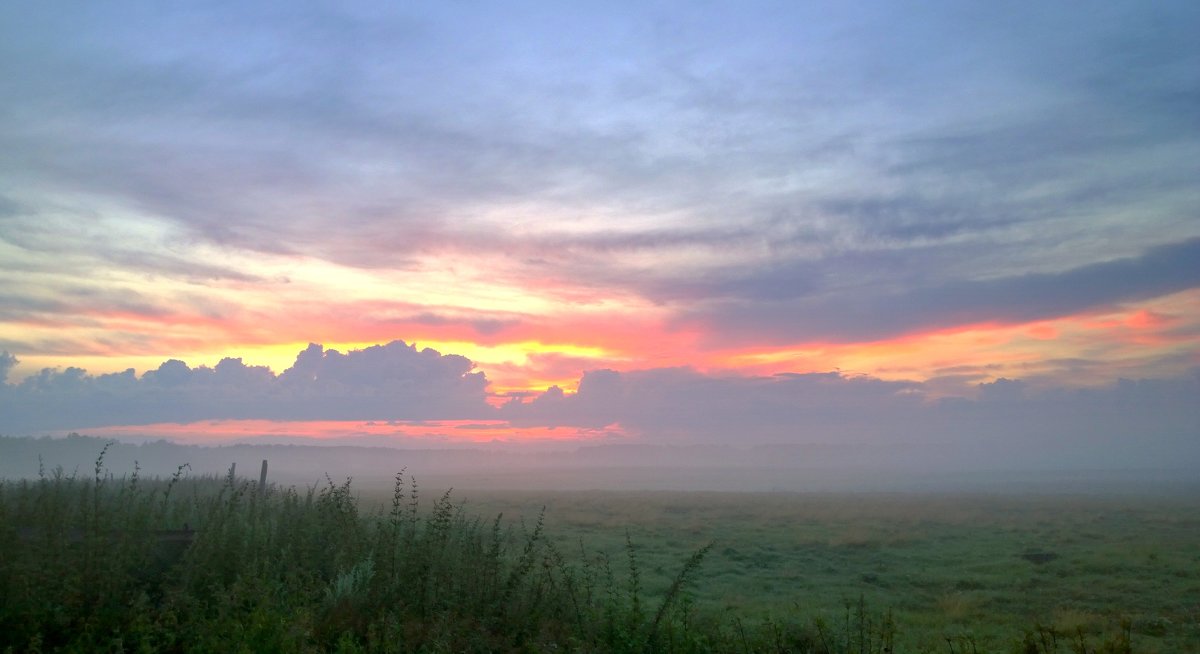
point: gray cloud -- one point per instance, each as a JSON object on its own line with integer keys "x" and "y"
{"x": 877, "y": 313}
{"x": 679, "y": 403}
{"x": 1008, "y": 424}
{"x": 7, "y": 363}
{"x": 392, "y": 122}
{"x": 79, "y": 304}
{"x": 383, "y": 382}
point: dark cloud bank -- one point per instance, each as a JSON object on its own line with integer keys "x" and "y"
{"x": 798, "y": 308}
{"x": 810, "y": 419}
{"x": 379, "y": 382}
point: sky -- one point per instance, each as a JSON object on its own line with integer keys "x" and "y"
{"x": 675, "y": 221}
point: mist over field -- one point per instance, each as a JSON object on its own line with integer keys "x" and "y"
{"x": 431, "y": 411}
{"x": 785, "y": 468}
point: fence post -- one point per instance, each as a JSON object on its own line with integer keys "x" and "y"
{"x": 262, "y": 478}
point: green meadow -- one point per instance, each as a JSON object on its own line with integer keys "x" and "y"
{"x": 957, "y": 572}
{"x": 96, "y": 562}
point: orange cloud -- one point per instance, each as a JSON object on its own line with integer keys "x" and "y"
{"x": 436, "y": 432}
{"x": 1144, "y": 340}
{"x": 522, "y": 350}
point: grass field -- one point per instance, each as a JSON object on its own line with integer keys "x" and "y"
{"x": 85, "y": 565}
{"x": 968, "y": 568}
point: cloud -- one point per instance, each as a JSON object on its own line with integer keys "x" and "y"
{"x": 1006, "y": 424}
{"x": 15, "y": 305}
{"x": 398, "y": 124}
{"x": 7, "y": 363}
{"x": 681, "y": 403}
{"x": 771, "y": 174}
{"x": 481, "y": 326}
{"x": 382, "y": 382}
{"x": 868, "y": 314}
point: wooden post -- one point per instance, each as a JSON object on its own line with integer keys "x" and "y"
{"x": 262, "y": 478}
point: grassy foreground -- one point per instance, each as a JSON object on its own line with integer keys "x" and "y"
{"x": 972, "y": 571}
{"x": 85, "y": 565}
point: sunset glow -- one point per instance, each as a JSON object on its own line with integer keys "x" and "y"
{"x": 702, "y": 205}
{"x": 436, "y": 433}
